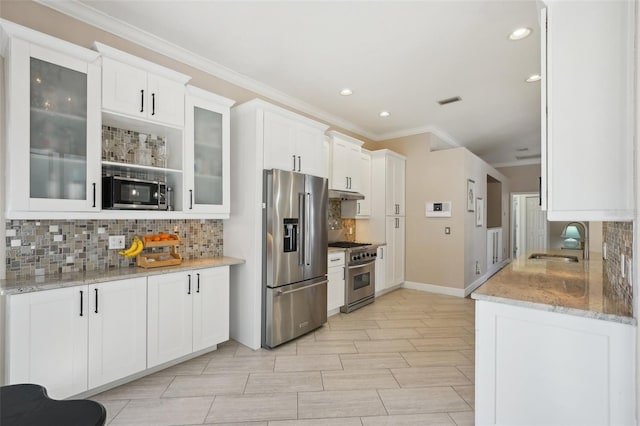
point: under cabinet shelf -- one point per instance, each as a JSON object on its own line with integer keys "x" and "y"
{"x": 136, "y": 167}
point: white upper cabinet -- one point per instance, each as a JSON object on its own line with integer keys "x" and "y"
{"x": 345, "y": 156}
{"x": 587, "y": 113}
{"x": 395, "y": 185}
{"x": 363, "y": 207}
{"x": 140, "y": 89}
{"x": 292, "y": 142}
{"x": 53, "y": 117}
{"x": 207, "y": 136}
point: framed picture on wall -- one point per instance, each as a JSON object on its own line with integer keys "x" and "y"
{"x": 479, "y": 211}
{"x": 471, "y": 195}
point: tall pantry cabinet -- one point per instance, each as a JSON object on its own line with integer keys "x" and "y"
{"x": 263, "y": 136}
{"x": 387, "y": 222}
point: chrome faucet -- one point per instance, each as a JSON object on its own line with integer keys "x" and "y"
{"x": 585, "y": 249}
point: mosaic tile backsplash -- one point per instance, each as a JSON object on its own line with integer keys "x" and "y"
{"x": 54, "y": 246}
{"x": 337, "y": 223}
{"x": 619, "y": 239}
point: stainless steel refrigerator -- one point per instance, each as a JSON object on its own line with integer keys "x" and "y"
{"x": 294, "y": 266}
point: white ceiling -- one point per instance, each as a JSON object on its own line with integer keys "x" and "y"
{"x": 395, "y": 55}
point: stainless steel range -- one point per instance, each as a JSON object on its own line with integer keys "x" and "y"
{"x": 360, "y": 288}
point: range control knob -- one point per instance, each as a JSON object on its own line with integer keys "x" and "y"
{"x": 374, "y": 254}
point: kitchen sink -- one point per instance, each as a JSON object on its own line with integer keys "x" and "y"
{"x": 557, "y": 257}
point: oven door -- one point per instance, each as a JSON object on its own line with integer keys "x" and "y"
{"x": 360, "y": 282}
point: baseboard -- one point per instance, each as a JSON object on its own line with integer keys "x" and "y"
{"x": 432, "y": 288}
{"x": 387, "y": 290}
{"x": 491, "y": 272}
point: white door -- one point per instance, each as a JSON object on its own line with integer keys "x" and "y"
{"x": 210, "y": 307}
{"x": 394, "y": 186}
{"x": 169, "y": 317}
{"x": 207, "y": 139}
{"x": 117, "y": 330}
{"x": 54, "y": 159}
{"x": 535, "y": 225}
{"x": 398, "y": 248}
{"x": 279, "y": 142}
{"x": 165, "y": 100}
{"x": 47, "y": 340}
{"x": 399, "y": 185}
{"x": 335, "y": 288}
{"x": 340, "y": 165}
{"x": 124, "y": 88}
{"x": 310, "y": 148}
{"x": 381, "y": 262}
{"x": 364, "y": 206}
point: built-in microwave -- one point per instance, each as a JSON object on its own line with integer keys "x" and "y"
{"x": 120, "y": 192}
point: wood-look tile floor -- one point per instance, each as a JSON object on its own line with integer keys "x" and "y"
{"x": 407, "y": 359}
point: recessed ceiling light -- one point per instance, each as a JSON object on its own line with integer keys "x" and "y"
{"x": 384, "y": 114}
{"x": 346, "y": 92}
{"x": 532, "y": 78}
{"x": 520, "y": 33}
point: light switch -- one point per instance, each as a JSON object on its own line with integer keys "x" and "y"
{"x": 447, "y": 230}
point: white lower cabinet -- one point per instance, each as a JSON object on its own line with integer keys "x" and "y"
{"x": 66, "y": 342}
{"x": 117, "y": 330}
{"x": 211, "y": 308}
{"x": 336, "y": 276}
{"x": 394, "y": 273}
{"x": 536, "y": 367}
{"x": 182, "y": 308}
{"x": 74, "y": 339}
{"x": 48, "y": 340}
{"x": 381, "y": 269}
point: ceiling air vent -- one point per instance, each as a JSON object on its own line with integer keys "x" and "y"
{"x": 527, "y": 157}
{"x": 450, "y": 100}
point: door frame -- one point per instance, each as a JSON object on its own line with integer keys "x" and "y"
{"x": 518, "y": 222}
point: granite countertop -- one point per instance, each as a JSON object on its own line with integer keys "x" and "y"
{"x": 551, "y": 285}
{"x": 49, "y": 282}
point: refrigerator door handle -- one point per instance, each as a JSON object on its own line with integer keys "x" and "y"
{"x": 307, "y": 231}
{"x": 302, "y": 229}
{"x": 283, "y": 292}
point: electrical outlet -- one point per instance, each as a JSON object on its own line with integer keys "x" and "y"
{"x": 116, "y": 242}
{"x": 477, "y": 268}
{"x": 623, "y": 266}
{"x": 604, "y": 251}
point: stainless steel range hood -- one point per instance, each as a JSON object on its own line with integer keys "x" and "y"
{"x": 345, "y": 195}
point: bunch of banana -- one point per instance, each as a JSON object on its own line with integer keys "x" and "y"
{"x": 135, "y": 249}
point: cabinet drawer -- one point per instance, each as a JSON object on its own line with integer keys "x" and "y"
{"x": 335, "y": 259}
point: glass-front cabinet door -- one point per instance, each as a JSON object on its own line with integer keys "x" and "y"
{"x": 54, "y": 130}
{"x": 207, "y": 147}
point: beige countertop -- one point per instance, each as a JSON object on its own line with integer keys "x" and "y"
{"x": 571, "y": 288}
{"x": 49, "y": 282}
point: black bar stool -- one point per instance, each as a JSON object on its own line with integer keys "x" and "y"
{"x": 29, "y": 405}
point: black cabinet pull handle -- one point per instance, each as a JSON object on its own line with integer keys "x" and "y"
{"x": 540, "y": 190}
{"x": 94, "y": 194}
{"x": 96, "y": 290}
{"x": 294, "y": 163}
{"x": 299, "y": 162}
{"x": 189, "y": 290}
{"x": 198, "y": 290}
{"x": 142, "y": 100}
{"x": 153, "y": 104}
{"x": 190, "y": 199}
{"x": 81, "y": 304}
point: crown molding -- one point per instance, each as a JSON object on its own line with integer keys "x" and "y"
{"x": 96, "y": 18}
